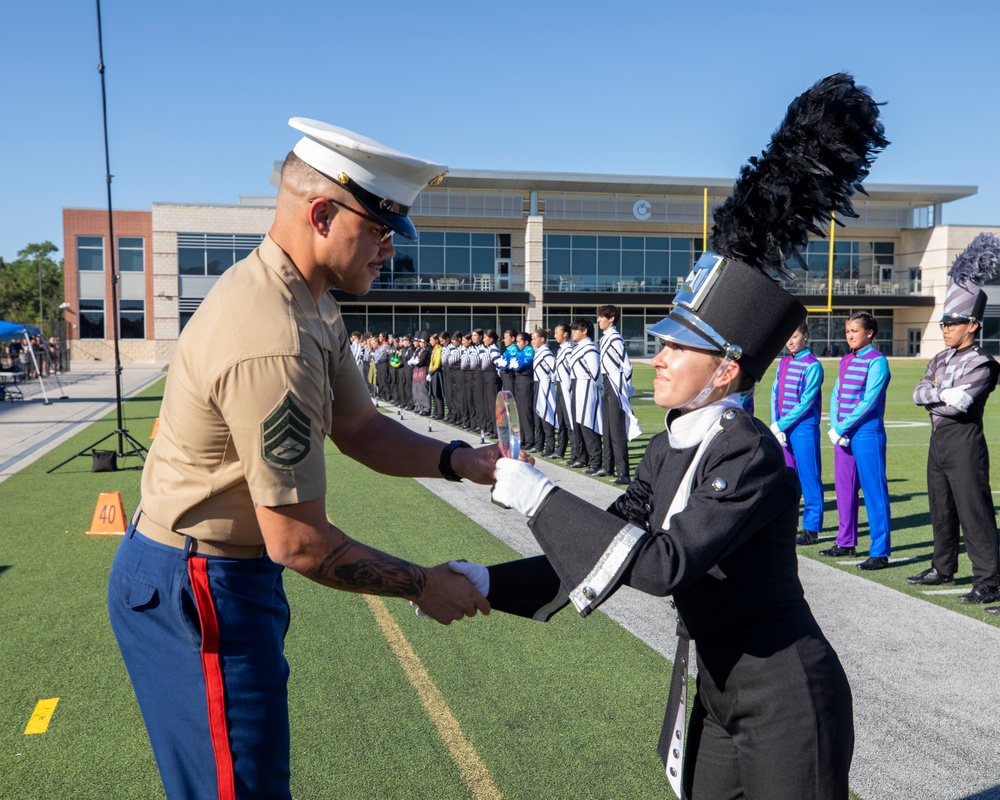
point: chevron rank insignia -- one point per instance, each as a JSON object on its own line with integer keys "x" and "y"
{"x": 285, "y": 436}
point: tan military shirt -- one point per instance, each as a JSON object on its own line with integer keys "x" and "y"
{"x": 260, "y": 371}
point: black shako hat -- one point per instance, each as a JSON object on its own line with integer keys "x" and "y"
{"x": 965, "y": 301}
{"x": 816, "y": 160}
{"x": 734, "y": 309}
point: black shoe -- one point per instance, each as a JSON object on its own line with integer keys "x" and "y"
{"x": 548, "y": 454}
{"x": 836, "y": 551}
{"x": 807, "y": 537}
{"x": 995, "y": 611}
{"x": 621, "y": 480}
{"x": 980, "y": 594}
{"x": 575, "y": 464}
{"x": 599, "y": 472}
{"x": 930, "y": 577}
{"x": 874, "y": 562}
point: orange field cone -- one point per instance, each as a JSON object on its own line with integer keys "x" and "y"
{"x": 109, "y": 516}
{"x": 156, "y": 428}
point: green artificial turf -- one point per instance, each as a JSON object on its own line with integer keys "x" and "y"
{"x": 568, "y": 708}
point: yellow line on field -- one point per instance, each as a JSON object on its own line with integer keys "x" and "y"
{"x": 471, "y": 767}
{"x": 40, "y": 717}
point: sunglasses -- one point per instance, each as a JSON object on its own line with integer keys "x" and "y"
{"x": 379, "y": 230}
{"x": 949, "y": 325}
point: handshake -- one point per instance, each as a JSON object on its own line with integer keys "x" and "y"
{"x": 518, "y": 486}
{"x": 476, "y": 574}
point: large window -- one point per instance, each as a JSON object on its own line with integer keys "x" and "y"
{"x": 211, "y": 254}
{"x": 459, "y": 256}
{"x": 865, "y": 262}
{"x": 131, "y": 254}
{"x": 92, "y": 319}
{"x": 132, "y": 319}
{"x": 90, "y": 253}
{"x": 581, "y": 262}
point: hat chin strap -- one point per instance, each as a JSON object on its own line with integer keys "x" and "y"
{"x": 710, "y": 387}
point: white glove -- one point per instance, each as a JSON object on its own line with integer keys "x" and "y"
{"x": 956, "y": 397}
{"x": 837, "y": 439}
{"x": 779, "y": 434}
{"x": 477, "y": 574}
{"x": 520, "y": 486}
{"x": 428, "y": 378}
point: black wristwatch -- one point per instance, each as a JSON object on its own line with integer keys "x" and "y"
{"x": 445, "y": 463}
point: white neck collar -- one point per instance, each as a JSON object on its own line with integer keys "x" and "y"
{"x": 689, "y": 429}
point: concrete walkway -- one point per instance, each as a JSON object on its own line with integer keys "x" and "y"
{"x": 31, "y": 428}
{"x": 926, "y": 692}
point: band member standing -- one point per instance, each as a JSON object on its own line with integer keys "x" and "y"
{"x": 545, "y": 393}
{"x": 619, "y": 423}
{"x": 564, "y": 398}
{"x": 584, "y": 364}
{"x": 795, "y": 413}
{"x": 954, "y": 390}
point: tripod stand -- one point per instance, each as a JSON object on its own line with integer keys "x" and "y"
{"x": 123, "y": 435}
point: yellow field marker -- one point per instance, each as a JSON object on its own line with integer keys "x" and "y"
{"x": 39, "y": 722}
{"x": 472, "y": 769}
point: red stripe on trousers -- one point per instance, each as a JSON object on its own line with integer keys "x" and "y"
{"x": 214, "y": 690}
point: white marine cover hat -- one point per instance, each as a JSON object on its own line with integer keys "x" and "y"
{"x": 384, "y": 181}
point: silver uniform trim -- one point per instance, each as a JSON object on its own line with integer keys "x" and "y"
{"x": 550, "y": 608}
{"x": 607, "y": 567}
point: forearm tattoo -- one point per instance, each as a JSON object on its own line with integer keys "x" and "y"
{"x": 377, "y": 573}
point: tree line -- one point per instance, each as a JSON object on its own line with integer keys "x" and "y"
{"x": 33, "y": 277}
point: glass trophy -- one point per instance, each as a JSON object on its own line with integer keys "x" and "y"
{"x": 508, "y": 429}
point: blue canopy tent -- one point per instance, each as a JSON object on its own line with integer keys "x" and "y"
{"x": 15, "y": 330}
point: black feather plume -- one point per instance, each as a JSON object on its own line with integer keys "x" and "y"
{"x": 816, "y": 160}
{"x": 978, "y": 262}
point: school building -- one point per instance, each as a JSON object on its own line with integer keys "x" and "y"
{"x": 503, "y": 249}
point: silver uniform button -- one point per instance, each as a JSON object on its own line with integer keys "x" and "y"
{"x": 730, "y": 414}
{"x": 719, "y": 484}
{"x": 589, "y": 593}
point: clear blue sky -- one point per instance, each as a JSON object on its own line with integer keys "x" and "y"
{"x": 199, "y": 93}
